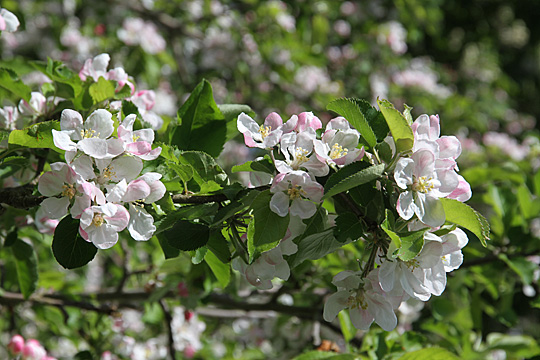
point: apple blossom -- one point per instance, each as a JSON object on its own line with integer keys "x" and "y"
{"x": 16, "y": 344}
{"x": 8, "y": 21}
{"x": 138, "y": 142}
{"x": 36, "y": 106}
{"x": 296, "y": 193}
{"x": 366, "y": 301}
{"x": 298, "y": 151}
{"x": 100, "y": 224}
{"x": 265, "y": 136}
{"x": 337, "y": 146}
{"x": 423, "y": 185}
{"x": 33, "y": 350}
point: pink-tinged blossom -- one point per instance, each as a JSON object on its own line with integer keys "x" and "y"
{"x": 145, "y": 101}
{"x": 137, "y": 142}
{"x": 186, "y": 333}
{"x": 120, "y": 168}
{"x": 146, "y": 189}
{"x": 8, "y": 118}
{"x": 44, "y": 224}
{"x": 8, "y": 21}
{"x": 33, "y": 350}
{"x": 264, "y": 136}
{"x": 462, "y": 192}
{"x": 308, "y": 120}
{"x": 337, "y": 146}
{"x": 97, "y": 67}
{"x": 295, "y": 193}
{"x": 423, "y": 185}
{"x": 364, "y": 298}
{"x": 420, "y": 75}
{"x": 507, "y": 145}
{"x": 298, "y": 151}
{"x": 64, "y": 181}
{"x": 36, "y": 106}
{"x": 101, "y": 224}
{"x": 16, "y": 344}
{"x": 92, "y": 135}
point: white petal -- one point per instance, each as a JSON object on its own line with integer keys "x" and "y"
{"x": 335, "y": 303}
{"x": 141, "y": 224}
{"x": 55, "y": 208}
{"x": 405, "y": 205}
{"x": 280, "y": 204}
{"x": 360, "y": 318}
{"x": 101, "y": 122}
{"x": 304, "y": 209}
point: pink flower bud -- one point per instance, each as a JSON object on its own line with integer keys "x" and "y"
{"x": 188, "y": 315}
{"x": 16, "y": 344}
{"x": 33, "y": 350}
{"x": 189, "y": 352}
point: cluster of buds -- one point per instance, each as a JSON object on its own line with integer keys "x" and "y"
{"x": 30, "y": 349}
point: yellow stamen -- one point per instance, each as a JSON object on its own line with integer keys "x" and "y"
{"x": 412, "y": 264}
{"x": 300, "y": 157}
{"x": 338, "y": 151}
{"x": 69, "y": 191}
{"x": 423, "y": 184}
{"x": 264, "y": 131}
{"x": 87, "y": 134}
{"x": 357, "y": 301}
{"x": 108, "y": 172}
{"x": 295, "y": 192}
{"x": 98, "y": 220}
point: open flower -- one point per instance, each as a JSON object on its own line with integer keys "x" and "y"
{"x": 138, "y": 142}
{"x": 338, "y": 144}
{"x": 423, "y": 185}
{"x": 296, "y": 193}
{"x": 365, "y": 300}
{"x": 92, "y": 135}
{"x": 298, "y": 151}
{"x": 101, "y": 224}
{"x": 264, "y": 136}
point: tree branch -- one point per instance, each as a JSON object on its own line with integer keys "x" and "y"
{"x": 20, "y": 197}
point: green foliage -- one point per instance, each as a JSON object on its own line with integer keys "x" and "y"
{"x": 201, "y": 125}
{"x": 219, "y": 269}
{"x": 26, "y": 265}
{"x": 350, "y": 110}
{"x": 463, "y": 215}
{"x": 398, "y": 125}
{"x": 267, "y": 228}
{"x": 430, "y": 354}
{"x": 264, "y": 165}
{"x": 69, "y": 248}
{"x": 36, "y": 136}
{"x": 351, "y": 176}
{"x": 187, "y": 235}
{"x": 9, "y": 81}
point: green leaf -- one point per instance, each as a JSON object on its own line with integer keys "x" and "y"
{"x": 350, "y": 110}
{"x": 529, "y": 206}
{"x": 197, "y": 256}
{"x": 36, "y": 136}
{"x": 201, "y": 126}
{"x": 463, "y": 215}
{"x": 521, "y": 266}
{"x": 231, "y": 112}
{"x": 515, "y": 346}
{"x": 263, "y": 165}
{"x": 318, "y": 355}
{"x": 314, "y": 247}
{"x": 348, "y": 178}
{"x": 101, "y": 90}
{"x": 374, "y": 118}
{"x": 347, "y": 328}
{"x": 411, "y": 244}
{"x": 190, "y": 212}
{"x": 69, "y": 248}
{"x": 388, "y": 226}
{"x": 10, "y": 82}
{"x": 26, "y": 265}
{"x": 168, "y": 251}
{"x": 185, "y": 171}
{"x": 11, "y": 238}
{"x": 433, "y": 353}
{"x": 221, "y": 271}
{"x": 219, "y": 246}
{"x": 399, "y": 126}
{"x": 206, "y": 168}
{"x": 186, "y": 235}
{"x": 407, "y": 113}
{"x": 348, "y": 227}
{"x": 268, "y": 226}
{"x": 128, "y": 108}
{"x": 476, "y": 176}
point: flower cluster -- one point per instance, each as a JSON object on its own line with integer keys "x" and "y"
{"x": 8, "y": 21}
{"x": 30, "y": 349}
{"x": 427, "y": 175}
{"x": 304, "y": 156}
{"x": 102, "y": 176}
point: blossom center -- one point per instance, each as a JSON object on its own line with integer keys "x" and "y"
{"x": 295, "y": 192}
{"x": 89, "y": 133}
{"x": 98, "y": 220}
{"x": 136, "y": 137}
{"x": 338, "y": 151}
{"x": 300, "y": 157}
{"x": 68, "y": 190}
{"x": 412, "y": 264}
{"x": 108, "y": 172}
{"x": 357, "y": 301}
{"x": 423, "y": 184}
{"x": 264, "y": 131}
